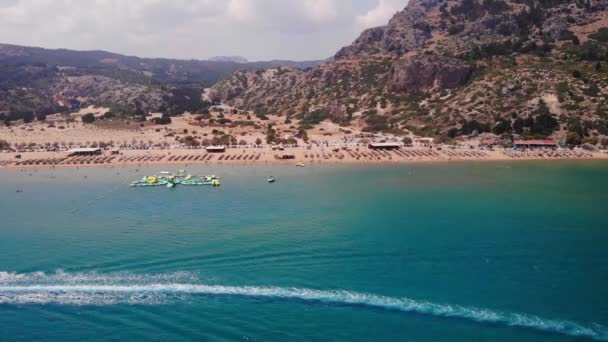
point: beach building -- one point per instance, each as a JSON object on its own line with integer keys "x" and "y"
{"x": 216, "y": 149}
{"x": 384, "y": 146}
{"x": 488, "y": 142}
{"x": 535, "y": 144}
{"x": 84, "y": 152}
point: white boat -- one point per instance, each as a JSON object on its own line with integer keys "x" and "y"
{"x": 271, "y": 180}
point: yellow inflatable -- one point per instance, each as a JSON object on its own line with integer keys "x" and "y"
{"x": 152, "y": 180}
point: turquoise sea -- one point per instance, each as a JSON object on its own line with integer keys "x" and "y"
{"x": 441, "y": 252}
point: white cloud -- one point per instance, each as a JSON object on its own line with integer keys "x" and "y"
{"x": 256, "y": 29}
{"x": 321, "y": 9}
{"x": 241, "y": 9}
{"x": 380, "y": 14}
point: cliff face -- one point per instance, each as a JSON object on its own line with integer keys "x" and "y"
{"x": 439, "y": 65}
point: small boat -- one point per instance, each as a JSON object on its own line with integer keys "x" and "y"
{"x": 271, "y": 180}
{"x": 170, "y": 185}
{"x": 300, "y": 164}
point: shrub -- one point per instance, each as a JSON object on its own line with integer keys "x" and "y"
{"x": 456, "y": 29}
{"x": 591, "y": 140}
{"x": 88, "y": 118}
{"x": 592, "y": 51}
{"x": 204, "y": 116}
{"x": 28, "y": 117}
{"x": 470, "y": 127}
{"x": 164, "y": 120}
{"x": 376, "y": 123}
{"x": 261, "y": 116}
{"x": 601, "y": 35}
{"x": 4, "y": 145}
{"x": 573, "y": 139}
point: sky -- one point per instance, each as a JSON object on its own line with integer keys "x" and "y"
{"x": 195, "y": 29}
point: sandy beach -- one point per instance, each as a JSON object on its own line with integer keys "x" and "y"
{"x": 123, "y": 143}
{"x": 266, "y": 155}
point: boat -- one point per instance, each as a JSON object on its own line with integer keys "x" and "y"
{"x": 300, "y": 164}
{"x": 271, "y": 180}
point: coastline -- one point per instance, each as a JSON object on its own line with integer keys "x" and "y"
{"x": 265, "y": 156}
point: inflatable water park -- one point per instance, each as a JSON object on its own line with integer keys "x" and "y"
{"x": 170, "y": 180}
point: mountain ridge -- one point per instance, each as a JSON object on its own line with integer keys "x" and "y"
{"x": 32, "y": 78}
{"x": 453, "y": 69}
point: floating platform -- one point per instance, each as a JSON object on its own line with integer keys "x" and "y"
{"x": 168, "y": 180}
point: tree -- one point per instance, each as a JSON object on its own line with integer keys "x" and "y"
{"x": 258, "y": 141}
{"x": 304, "y": 135}
{"x": 502, "y": 126}
{"x": 270, "y": 135}
{"x": 41, "y": 117}
{"x": 316, "y": 117}
{"x": 545, "y": 123}
{"x": 407, "y": 141}
{"x": 108, "y": 115}
{"x": 598, "y": 66}
{"x": 88, "y": 118}
{"x": 518, "y": 125}
{"x": 139, "y": 109}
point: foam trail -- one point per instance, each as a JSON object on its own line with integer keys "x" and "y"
{"x": 13, "y": 291}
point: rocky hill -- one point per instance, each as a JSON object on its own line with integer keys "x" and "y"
{"x": 46, "y": 81}
{"x": 454, "y": 69}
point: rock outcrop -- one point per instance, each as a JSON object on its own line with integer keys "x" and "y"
{"x": 406, "y": 31}
{"x": 428, "y": 72}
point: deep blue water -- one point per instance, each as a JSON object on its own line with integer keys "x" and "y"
{"x": 442, "y": 252}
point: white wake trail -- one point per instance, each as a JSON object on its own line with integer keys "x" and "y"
{"x": 74, "y": 291}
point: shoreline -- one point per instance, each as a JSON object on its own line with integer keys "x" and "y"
{"x": 240, "y": 157}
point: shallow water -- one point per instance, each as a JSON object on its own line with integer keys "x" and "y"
{"x": 459, "y": 252}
